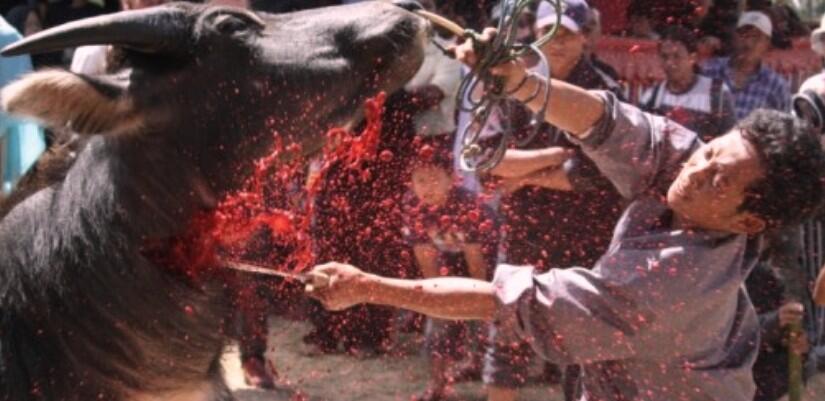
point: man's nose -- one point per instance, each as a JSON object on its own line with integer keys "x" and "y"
{"x": 699, "y": 173}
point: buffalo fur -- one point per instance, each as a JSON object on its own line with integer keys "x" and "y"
{"x": 84, "y": 313}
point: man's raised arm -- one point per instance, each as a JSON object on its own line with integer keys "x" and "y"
{"x": 571, "y": 109}
{"x": 636, "y": 151}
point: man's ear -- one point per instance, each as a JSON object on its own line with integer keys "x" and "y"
{"x": 748, "y": 223}
{"x": 86, "y": 105}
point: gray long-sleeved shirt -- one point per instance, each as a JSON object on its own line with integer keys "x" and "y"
{"x": 663, "y": 315}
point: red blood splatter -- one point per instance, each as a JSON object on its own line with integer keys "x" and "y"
{"x": 426, "y": 152}
{"x": 386, "y": 155}
{"x": 474, "y": 215}
{"x": 228, "y": 229}
{"x": 487, "y": 225}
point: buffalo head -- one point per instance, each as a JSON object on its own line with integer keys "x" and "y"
{"x": 217, "y": 82}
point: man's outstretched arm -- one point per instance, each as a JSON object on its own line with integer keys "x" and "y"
{"x": 454, "y": 298}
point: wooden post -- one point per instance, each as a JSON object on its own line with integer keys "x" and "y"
{"x": 794, "y": 365}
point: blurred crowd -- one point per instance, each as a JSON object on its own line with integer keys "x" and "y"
{"x": 420, "y": 215}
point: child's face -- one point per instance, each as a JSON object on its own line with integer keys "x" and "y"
{"x": 431, "y": 184}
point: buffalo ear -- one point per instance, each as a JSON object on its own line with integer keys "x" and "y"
{"x": 58, "y": 98}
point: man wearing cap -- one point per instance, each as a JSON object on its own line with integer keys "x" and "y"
{"x": 590, "y": 206}
{"x": 754, "y": 85}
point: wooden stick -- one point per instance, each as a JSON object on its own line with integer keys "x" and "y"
{"x": 255, "y": 269}
{"x": 311, "y": 280}
{"x": 443, "y": 22}
{"x": 794, "y": 365}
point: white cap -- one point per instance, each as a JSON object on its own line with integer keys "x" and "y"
{"x": 757, "y": 20}
{"x": 575, "y": 14}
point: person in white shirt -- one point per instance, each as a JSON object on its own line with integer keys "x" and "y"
{"x": 695, "y": 101}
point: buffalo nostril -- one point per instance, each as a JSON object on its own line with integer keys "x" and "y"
{"x": 409, "y": 5}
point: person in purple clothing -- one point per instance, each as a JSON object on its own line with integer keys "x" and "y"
{"x": 452, "y": 233}
{"x": 663, "y": 314}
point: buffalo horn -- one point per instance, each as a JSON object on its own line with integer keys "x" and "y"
{"x": 149, "y": 30}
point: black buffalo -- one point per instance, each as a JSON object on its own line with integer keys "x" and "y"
{"x": 84, "y": 315}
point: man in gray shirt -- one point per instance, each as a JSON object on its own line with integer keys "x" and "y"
{"x": 663, "y": 315}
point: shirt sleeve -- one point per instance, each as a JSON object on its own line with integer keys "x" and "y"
{"x": 583, "y": 174}
{"x": 636, "y": 151}
{"x": 783, "y": 95}
{"x": 576, "y": 316}
{"x": 645, "y": 305}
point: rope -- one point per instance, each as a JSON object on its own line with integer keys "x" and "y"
{"x": 502, "y": 49}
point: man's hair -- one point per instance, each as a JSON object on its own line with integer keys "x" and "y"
{"x": 794, "y": 166}
{"x": 681, "y": 35}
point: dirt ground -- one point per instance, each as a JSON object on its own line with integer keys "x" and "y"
{"x": 341, "y": 377}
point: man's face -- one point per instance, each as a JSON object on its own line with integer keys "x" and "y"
{"x": 431, "y": 184}
{"x": 711, "y": 186}
{"x": 751, "y": 43}
{"x": 677, "y": 61}
{"x": 565, "y": 48}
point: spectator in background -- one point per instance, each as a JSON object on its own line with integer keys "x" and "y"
{"x": 17, "y": 15}
{"x": 567, "y": 51}
{"x": 786, "y": 22}
{"x": 594, "y": 33}
{"x": 702, "y": 104}
{"x": 700, "y": 11}
{"x": 592, "y": 208}
{"x": 641, "y": 21}
{"x": 776, "y": 315}
{"x": 47, "y": 14}
{"x": 21, "y": 142}
{"x": 809, "y": 104}
{"x": 93, "y": 59}
{"x": 451, "y": 233}
{"x": 754, "y": 85}
{"x": 718, "y": 26}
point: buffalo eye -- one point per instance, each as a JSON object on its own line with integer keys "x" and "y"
{"x": 230, "y": 24}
